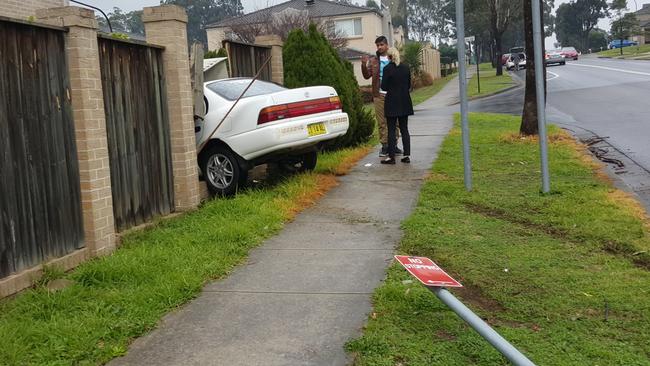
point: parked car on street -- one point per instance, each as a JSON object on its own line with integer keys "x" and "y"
{"x": 554, "y": 57}
{"x": 270, "y": 124}
{"x": 504, "y": 58}
{"x": 510, "y": 64}
{"x": 618, "y": 43}
{"x": 569, "y": 53}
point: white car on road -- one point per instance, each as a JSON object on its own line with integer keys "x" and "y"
{"x": 510, "y": 63}
{"x": 269, "y": 124}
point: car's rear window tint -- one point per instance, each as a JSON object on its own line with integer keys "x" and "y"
{"x": 232, "y": 89}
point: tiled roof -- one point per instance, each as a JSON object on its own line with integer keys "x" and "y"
{"x": 316, "y": 9}
{"x": 644, "y": 10}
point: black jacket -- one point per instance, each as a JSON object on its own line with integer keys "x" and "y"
{"x": 396, "y": 81}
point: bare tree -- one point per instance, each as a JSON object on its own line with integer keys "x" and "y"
{"x": 283, "y": 23}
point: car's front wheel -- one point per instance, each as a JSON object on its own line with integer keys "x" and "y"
{"x": 222, "y": 172}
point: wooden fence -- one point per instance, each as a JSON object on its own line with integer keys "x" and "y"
{"x": 40, "y": 204}
{"x": 138, "y": 131}
{"x": 246, "y": 59}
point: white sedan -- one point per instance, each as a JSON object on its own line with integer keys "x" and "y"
{"x": 270, "y": 124}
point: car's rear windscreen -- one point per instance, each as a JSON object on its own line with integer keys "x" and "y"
{"x": 232, "y": 89}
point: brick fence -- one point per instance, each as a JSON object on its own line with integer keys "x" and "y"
{"x": 165, "y": 26}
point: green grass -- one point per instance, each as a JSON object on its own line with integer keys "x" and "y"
{"x": 421, "y": 94}
{"x": 122, "y": 296}
{"x": 627, "y": 51}
{"x": 564, "y": 276}
{"x": 490, "y": 83}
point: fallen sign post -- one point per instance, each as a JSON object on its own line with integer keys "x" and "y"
{"x": 436, "y": 279}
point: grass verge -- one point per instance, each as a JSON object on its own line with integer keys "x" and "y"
{"x": 627, "y": 52}
{"x": 563, "y": 276}
{"x": 117, "y": 298}
{"x": 421, "y": 94}
{"x": 490, "y": 82}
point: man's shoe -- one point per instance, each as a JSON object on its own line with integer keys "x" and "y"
{"x": 384, "y": 151}
{"x": 398, "y": 151}
{"x": 406, "y": 159}
{"x": 388, "y": 161}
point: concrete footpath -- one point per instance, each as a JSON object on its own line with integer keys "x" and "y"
{"x": 307, "y": 291}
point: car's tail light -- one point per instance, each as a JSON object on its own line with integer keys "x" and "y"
{"x": 291, "y": 110}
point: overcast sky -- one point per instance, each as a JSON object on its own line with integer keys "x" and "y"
{"x": 252, "y": 5}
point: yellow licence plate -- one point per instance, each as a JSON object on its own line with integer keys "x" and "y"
{"x": 316, "y": 129}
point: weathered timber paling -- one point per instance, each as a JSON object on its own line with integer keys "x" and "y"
{"x": 40, "y": 200}
{"x": 138, "y": 132}
{"x": 245, "y": 60}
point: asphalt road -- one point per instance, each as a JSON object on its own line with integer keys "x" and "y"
{"x": 603, "y": 97}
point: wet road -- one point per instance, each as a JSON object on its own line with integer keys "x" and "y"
{"x": 604, "y": 97}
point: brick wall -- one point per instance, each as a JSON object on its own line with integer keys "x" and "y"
{"x": 23, "y": 9}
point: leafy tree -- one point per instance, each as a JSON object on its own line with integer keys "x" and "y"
{"x": 310, "y": 60}
{"x": 448, "y": 54}
{"x": 130, "y": 22}
{"x": 624, "y": 24}
{"x": 201, "y": 13}
{"x": 372, "y": 4}
{"x": 598, "y": 39}
{"x": 412, "y": 56}
{"x": 427, "y": 20}
{"x": 576, "y": 20}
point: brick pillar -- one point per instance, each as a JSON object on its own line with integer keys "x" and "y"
{"x": 165, "y": 25}
{"x": 90, "y": 123}
{"x": 277, "y": 66}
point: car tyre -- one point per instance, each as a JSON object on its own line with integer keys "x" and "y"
{"x": 222, "y": 172}
{"x": 309, "y": 161}
{"x": 562, "y": 63}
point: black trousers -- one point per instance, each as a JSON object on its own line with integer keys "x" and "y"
{"x": 392, "y": 138}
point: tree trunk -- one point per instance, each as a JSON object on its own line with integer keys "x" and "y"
{"x": 529, "y": 116}
{"x": 497, "y": 39}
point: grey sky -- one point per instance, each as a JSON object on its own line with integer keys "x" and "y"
{"x": 252, "y": 5}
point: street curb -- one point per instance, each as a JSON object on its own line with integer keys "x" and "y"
{"x": 518, "y": 84}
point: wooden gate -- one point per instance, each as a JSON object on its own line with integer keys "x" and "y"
{"x": 138, "y": 131}
{"x": 40, "y": 200}
{"x": 246, "y": 59}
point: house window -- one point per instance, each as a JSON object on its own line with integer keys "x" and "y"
{"x": 349, "y": 27}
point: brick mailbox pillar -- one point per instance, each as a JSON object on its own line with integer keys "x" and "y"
{"x": 277, "y": 66}
{"x": 166, "y": 26}
{"x": 90, "y": 123}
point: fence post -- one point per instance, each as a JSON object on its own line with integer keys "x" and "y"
{"x": 90, "y": 123}
{"x": 165, "y": 25}
{"x": 277, "y": 67}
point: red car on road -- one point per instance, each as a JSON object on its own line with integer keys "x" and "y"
{"x": 569, "y": 53}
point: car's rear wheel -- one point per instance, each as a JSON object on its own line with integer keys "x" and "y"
{"x": 222, "y": 172}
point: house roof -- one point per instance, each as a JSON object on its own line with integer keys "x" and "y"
{"x": 352, "y": 54}
{"x": 315, "y": 8}
{"x": 644, "y": 10}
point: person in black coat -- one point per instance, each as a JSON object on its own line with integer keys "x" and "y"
{"x": 398, "y": 105}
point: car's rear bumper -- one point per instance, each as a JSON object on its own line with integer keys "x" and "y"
{"x": 287, "y": 135}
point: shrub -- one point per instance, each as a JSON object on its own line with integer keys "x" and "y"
{"x": 310, "y": 60}
{"x": 424, "y": 79}
{"x": 412, "y": 56}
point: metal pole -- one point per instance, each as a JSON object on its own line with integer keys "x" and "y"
{"x": 509, "y": 351}
{"x": 462, "y": 81}
{"x": 478, "y": 72}
{"x": 539, "y": 84}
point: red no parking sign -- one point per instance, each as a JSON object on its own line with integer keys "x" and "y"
{"x": 427, "y": 272}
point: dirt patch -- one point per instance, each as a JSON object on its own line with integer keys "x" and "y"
{"x": 474, "y": 296}
{"x": 351, "y": 160}
{"x": 445, "y": 335}
{"x": 516, "y": 137}
{"x": 309, "y": 197}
